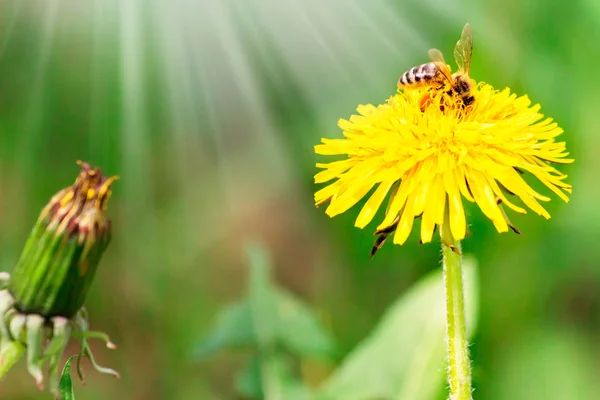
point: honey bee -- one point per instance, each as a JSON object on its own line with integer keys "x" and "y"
{"x": 437, "y": 73}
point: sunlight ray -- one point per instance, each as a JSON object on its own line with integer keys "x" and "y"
{"x": 12, "y": 17}
{"x": 29, "y": 142}
{"x": 103, "y": 21}
{"x": 134, "y": 135}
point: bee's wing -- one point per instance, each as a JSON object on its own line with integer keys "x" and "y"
{"x": 437, "y": 58}
{"x": 464, "y": 50}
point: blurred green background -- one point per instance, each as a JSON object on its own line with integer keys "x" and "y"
{"x": 209, "y": 111}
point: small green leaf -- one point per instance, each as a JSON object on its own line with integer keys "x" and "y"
{"x": 65, "y": 386}
{"x": 234, "y": 328}
{"x": 268, "y": 318}
{"x": 279, "y": 317}
{"x": 300, "y": 331}
{"x": 404, "y": 357}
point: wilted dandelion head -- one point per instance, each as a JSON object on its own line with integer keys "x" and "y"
{"x": 429, "y": 160}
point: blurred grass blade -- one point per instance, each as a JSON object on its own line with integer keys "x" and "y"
{"x": 65, "y": 386}
{"x": 404, "y": 357}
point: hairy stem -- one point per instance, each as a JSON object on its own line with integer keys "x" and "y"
{"x": 459, "y": 366}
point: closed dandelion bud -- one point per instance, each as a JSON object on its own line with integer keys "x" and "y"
{"x": 41, "y": 302}
{"x": 62, "y": 253}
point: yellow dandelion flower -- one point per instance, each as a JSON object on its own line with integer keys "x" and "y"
{"x": 429, "y": 160}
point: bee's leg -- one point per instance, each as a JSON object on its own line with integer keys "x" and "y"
{"x": 467, "y": 101}
{"x": 425, "y": 102}
{"x": 510, "y": 224}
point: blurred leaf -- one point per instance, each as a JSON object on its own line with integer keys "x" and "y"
{"x": 269, "y": 317}
{"x": 281, "y": 382}
{"x": 248, "y": 382}
{"x": 269, "y": 376}
{"x": 263, "y": 301}
{"x": 404, "y": 356}
{"x": 299, "y": 329}
{"x": 233, "y": 328}
{"x": 65, "y": 386}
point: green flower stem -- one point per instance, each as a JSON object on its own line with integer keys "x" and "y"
{"x": 11, "y": 353}
{"x": 268, "y": 371}
{"x": 459, "y": 366}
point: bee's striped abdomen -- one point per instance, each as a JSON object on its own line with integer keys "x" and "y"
{"x": 420, "y": 75}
